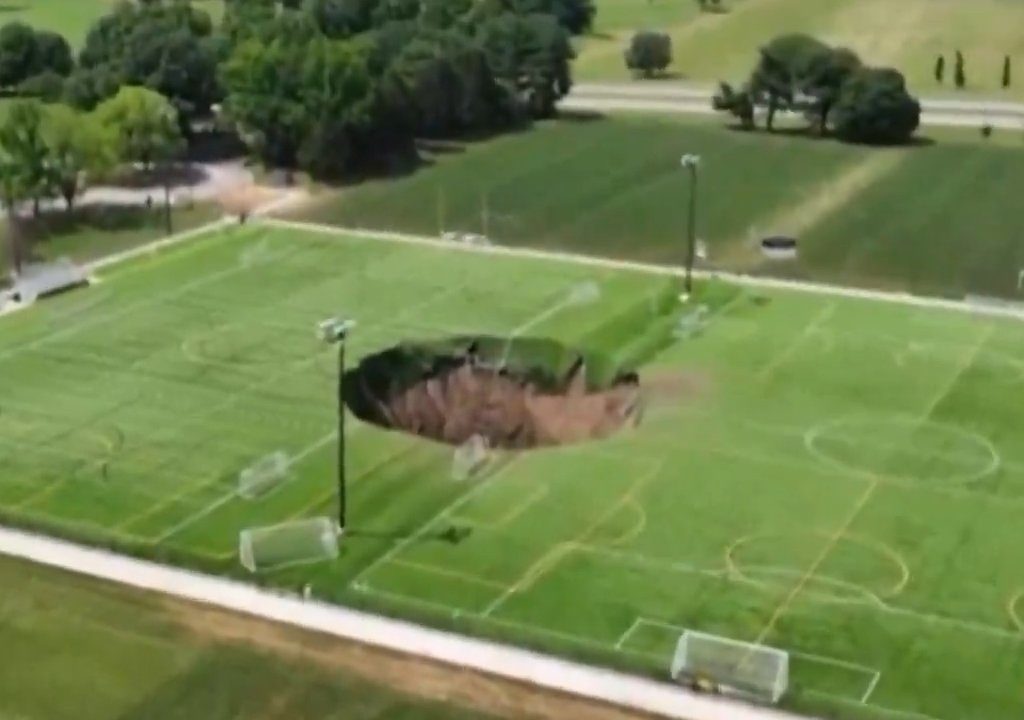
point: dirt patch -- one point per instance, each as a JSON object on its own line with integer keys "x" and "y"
{"x": 513, "y": 393}
{"x": 404, "y": 673}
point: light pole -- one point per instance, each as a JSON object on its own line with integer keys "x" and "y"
{"x": 334, "y": 332}
{"x": 691, "y": 162}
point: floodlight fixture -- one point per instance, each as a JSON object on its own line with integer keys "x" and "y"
{"x": 334, "y": 330}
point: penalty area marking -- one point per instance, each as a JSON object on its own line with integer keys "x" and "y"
{"x": 990, "y": 464}
{"x": 1015, "y": 608}
{"x": 738, "y": 570}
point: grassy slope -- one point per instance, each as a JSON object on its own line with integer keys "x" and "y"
{"x": 712, "y": 47}
{"x": 893, "y": 218}
{"x": 855, "y": 511}
{"x": 83, "y": 650}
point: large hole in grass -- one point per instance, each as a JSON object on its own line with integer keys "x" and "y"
{"x": 519, "y": 393}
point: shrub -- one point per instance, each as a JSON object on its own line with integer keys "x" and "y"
{"x": 47, "y": 86}
{"x": 649, "y": 53}
{"x": 874, "y": 107}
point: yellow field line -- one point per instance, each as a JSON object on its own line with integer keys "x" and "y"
{"x": 549, "y": 560}
{"x": 822, "y": 556}
{"x": 875, "y": 482}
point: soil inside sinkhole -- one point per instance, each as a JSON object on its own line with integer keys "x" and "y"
{"x": 516, "y": 394}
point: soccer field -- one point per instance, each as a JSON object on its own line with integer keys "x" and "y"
{"x": 843, "y": 479}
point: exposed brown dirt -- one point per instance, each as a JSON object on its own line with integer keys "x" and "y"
{"x": 404, "y": 673}
{"x": 464, "y": 399}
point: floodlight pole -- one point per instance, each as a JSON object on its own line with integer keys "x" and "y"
{"x": 691, "y": 162}
{"x": 335, "y": 332}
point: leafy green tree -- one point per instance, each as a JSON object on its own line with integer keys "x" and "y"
{"x": 782, "y": 68}
{"x": 341, "y": 19}
{"x": 79, "y": 149}
{"x": 164, "y": 45}
{"x": 87, "y": 87}
{"x": 21, "y": 136}
{"x": 304, "y": 105}
{"x": 1007, "y": 72}
{"x": 959, "y": 74}
{"x": 530, "y": 54}
{"x": 17, "y": 54}
{"x": 738, "y": 103}
{"x": 940, "y": 68}
{"x": 822, "y": 79}
{"x": 576, "y": 16}
{"x": 143, "y": 125}
{"x": 649, "y": 53}
{"x": 46, "y": 86}
{"x": 874, "y": 107}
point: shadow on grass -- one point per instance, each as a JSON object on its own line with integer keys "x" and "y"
{"x": 811, "y": 133}
{"x": 453, "y": 535}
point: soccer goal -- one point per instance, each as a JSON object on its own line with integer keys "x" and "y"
{"x": 263, "y": 476}
{"x": 756, "y": 672}
{"x": 291, "y": 543}
{"x": 470, "y": 457}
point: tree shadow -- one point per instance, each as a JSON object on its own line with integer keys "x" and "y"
{"x": 580, "y": 116}
{"x": 452, "y": 535}
{"x": 170, "y": 175}
{"x": 13, "y": 7}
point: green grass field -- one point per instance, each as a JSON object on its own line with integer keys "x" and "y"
{"x": 933, "y": 219}
{"x": 840, "y": 478}
{"x": 76, "y": 649}
{"x": 713, "y": 47}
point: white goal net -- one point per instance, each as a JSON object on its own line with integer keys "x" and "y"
{"x": 291, "y": 543}
{"x": 263, "y": 476}
{"x": 754, "y": 671}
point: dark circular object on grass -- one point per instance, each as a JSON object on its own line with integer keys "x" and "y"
{"x": 514, "y": 393}
{"x": 779, "y": 247}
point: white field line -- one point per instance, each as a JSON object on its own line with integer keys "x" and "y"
{"x": 1007, "y": 310}
{"x": 513, "y": 663}
{"x": 827, "y": 311}
{"x": 871, "y": 687}
{"x": 233, "y": 494}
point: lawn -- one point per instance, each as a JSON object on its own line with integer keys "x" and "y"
{"x": 72, "y": 18}
{"x": 75, "y": 649}
{"x": 935, "y": 218}
{"x": 840, "y": 478}
{"x": 711, "y": 47}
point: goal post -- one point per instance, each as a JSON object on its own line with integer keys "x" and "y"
{"x": 292, "y": 543}
{"x": 263, "y": 476}
{"x": 756, "y": 672}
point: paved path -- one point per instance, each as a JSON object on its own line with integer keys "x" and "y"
{"x": 673, "y": 97}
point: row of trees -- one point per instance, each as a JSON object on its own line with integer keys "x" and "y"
{"x": 960, "y": 73}
{"x": 830, "y": 86}
{"x": 322, "y": 85}
{"x": 53, "y": 150}
{"x": 28, "y": 57}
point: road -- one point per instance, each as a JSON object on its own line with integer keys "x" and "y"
{"x": 674, "y": 97}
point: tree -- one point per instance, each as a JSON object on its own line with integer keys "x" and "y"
{"x": 143, "y": 125}
{"x": 305, "y": 106}
{"x": 822, "y": 79}
{"x": 52, "y": 54}
{"x": 940, "y": 68}
{"x": 17, "y": 54}
{"x": 959, "y": 76}
{"x": 46, "y": 86}
{"x": 649, "y": 53}
{"x": 79, "y": 148}
{"x": 1007, "y": 72}
{"x": 531, "y": 55}
{"x": 21, "y": 136}
{"x": 164, "y": 45}
{"x": 738, "y": 103}
{"x": 874, "y": 107}
{"x": 781, "y": 72}
{"x": 576, "y": 16}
